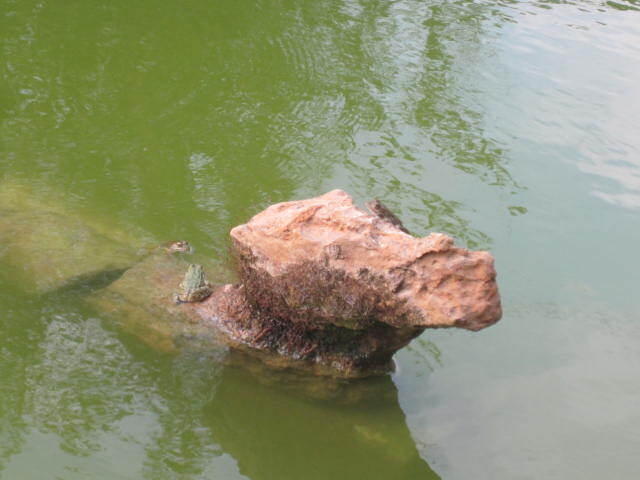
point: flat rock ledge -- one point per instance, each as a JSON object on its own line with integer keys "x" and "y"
{"x": 340, "y": 290}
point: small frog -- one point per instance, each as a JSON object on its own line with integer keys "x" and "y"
{"x": 194, "y": 287}
{"x": 181, "y": 246}
{"x": 381, "y": 211}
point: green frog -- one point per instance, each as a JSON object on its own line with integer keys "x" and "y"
{"x": 194, "y": 287}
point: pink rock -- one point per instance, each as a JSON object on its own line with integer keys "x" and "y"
{"x": 323, "y": 261}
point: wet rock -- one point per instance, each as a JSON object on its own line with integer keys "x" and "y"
{"x": 141, "y": 303}
{"x": 280, "y": 343}
{"x": 50, "y": 247}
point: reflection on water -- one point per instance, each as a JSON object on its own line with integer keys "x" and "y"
{"x": 600, "y": 136}
{"x": 85, "y": 393}
{"x": 250, "y": 419}
{"x": 561, "y": 400}
{"x": 257, "y": 112}
{"x": 17, "y": 352}
{"x": 75, "y": 390}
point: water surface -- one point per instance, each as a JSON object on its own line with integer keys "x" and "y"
{"x": 512, "y": 126}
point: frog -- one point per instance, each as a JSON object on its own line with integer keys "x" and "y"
{"x": 380, "y": 210}
{"x": 181, "y": 246}
{"x": 194, "y": 287}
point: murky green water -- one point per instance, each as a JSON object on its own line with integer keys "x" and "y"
{"x": 514, "y": 127}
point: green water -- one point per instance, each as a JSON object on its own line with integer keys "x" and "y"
{"x": 512, "y": 126}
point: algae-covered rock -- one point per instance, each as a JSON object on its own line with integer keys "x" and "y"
{"x": 51, "y": 247}
{"x": 333, "y": 351}
{"x": 142, "y": 303}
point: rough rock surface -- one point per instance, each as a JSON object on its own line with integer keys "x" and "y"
{"x": 324, "y": 262}
{"x": 280, "y": 343}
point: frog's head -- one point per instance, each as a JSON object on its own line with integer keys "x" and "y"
{"x": 195, "y": 271}
{"x": 181, "y": 246}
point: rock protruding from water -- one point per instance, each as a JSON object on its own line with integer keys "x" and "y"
{"x": 323, "y": 261}
{"x": 330, "y": 288}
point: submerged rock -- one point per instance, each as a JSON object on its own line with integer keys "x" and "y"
{"x": 50, "y": 247}
{"x": 141, "y": 302}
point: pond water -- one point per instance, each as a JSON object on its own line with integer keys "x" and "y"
{"x": 512, "y": 126}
